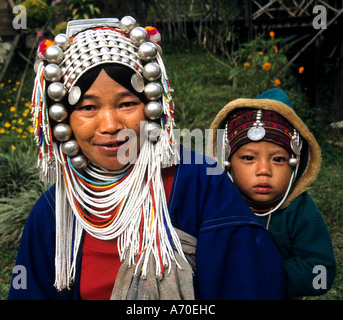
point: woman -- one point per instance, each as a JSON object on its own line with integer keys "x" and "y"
{"x": 128, "y": 216}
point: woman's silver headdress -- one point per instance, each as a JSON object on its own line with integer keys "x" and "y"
{"x": 86, "y": 44}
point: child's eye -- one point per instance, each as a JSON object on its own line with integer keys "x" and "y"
{"x": 279, "y": 159}
{"x": 248, "y": 158}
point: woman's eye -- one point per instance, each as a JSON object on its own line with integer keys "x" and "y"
{"x": 128, "y": 104}
{"x": 86, "y": 107}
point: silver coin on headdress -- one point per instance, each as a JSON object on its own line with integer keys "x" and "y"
{"x": 74, "y": 95}
{"x": 137, "y": 82}
{"x": 295, "y": 147}
{"x": 256, "y": 133}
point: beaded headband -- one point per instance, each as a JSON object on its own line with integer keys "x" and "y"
{"x": 86, "y": 44}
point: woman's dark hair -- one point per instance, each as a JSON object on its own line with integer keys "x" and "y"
{"x": 117, "y": 72}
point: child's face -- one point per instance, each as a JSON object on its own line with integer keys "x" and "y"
{"x": 261, "y": 171}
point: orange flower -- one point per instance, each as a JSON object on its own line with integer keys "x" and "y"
{"x": 277, "y": 82}
{"x": 246, "y": 64}
{"x": 301, "y": 70}
{"x": 266, "y": 66}
{"x": 260, "y": 53}
{"x": 276, "y": 50}
{"x": 272, "y": 34}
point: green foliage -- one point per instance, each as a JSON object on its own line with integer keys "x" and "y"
{"x": 84, "y": 9}
{"x": 18, "y": 171}
{"x": 256, "y": 66}
{"x": 38, "y": 13}
{"x": 14, "y": 212}
{"x": 60, "y": 28}
{"x": 2, "y": 52}
{"x": 15, "y": 123}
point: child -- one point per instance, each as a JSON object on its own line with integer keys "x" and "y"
{"x": 272, "y": 157}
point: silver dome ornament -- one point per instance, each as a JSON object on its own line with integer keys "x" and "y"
{"x": 58, "y": 112}
{"x": 152, "y": 71}
{"x": 52, "y": 72}
{"x": 153, "y": 91}
{"x": 153, "y": 110}
{"x": 62, "y": 132}
{"x": 79, "y": 162}
{"x": 147, "y": 51}
{"x": 54, "y": 54}
{"x": 138, "y": 36}
{"x": 293, "y": 161}
{"x": 70, "y": 147}
{"x": 152, "y": 130}
{"x": 56, "y": 91}
{"x": 127, "y": 23}
{"x": 62, "y": 41}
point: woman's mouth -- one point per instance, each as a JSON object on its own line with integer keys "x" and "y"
{"x": 111, "y": 146}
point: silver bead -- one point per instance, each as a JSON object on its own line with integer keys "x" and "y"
{"x": 116, "y": 57}
{"x": 102, "y": 43}
{"x": 76, "y": 63}
{"x": 138, "y": 36}
{"x": 70, "y": 147}
{"x": 127, "y": 23}
{"x": 153, "y": 110}
{"x": 86, "y": 64}
{"x": 62, "y": 41}
{"x": 52, "y": 72}
{"x": 106, "y": 57}
{"x": 293, "y": 161}
{"x": 153, "y": 91}
{"x": 104, "y": 50}
{"x": 92, "y": 45}
{"x": 62, "y": 132}
{"x": 125, "y": 60}
{"x": 56, "y": 91}
{"x": 122, "y": 45}
{"x": 79, "y": 162}
{"x": 84, "y": 56}
{"x": 151, "y": 71}
{"x": 147, "y": 51}
{"x": 58, "y": 112}
{"x": 152, "y": 130}
{"x": 54, "y": 54}
{"x": 96, "y": 60}
{"x": 114, "y": 50}
{"x": 94, "y": 52}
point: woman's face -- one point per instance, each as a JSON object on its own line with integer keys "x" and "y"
{"x": 99, "y": 118}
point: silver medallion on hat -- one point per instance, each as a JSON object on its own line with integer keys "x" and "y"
{"x": 257, "y": 132}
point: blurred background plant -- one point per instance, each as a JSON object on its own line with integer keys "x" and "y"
{"x": 38, "y": 13}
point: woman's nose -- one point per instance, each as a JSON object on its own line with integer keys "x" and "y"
{"x": 109, "y": 122}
